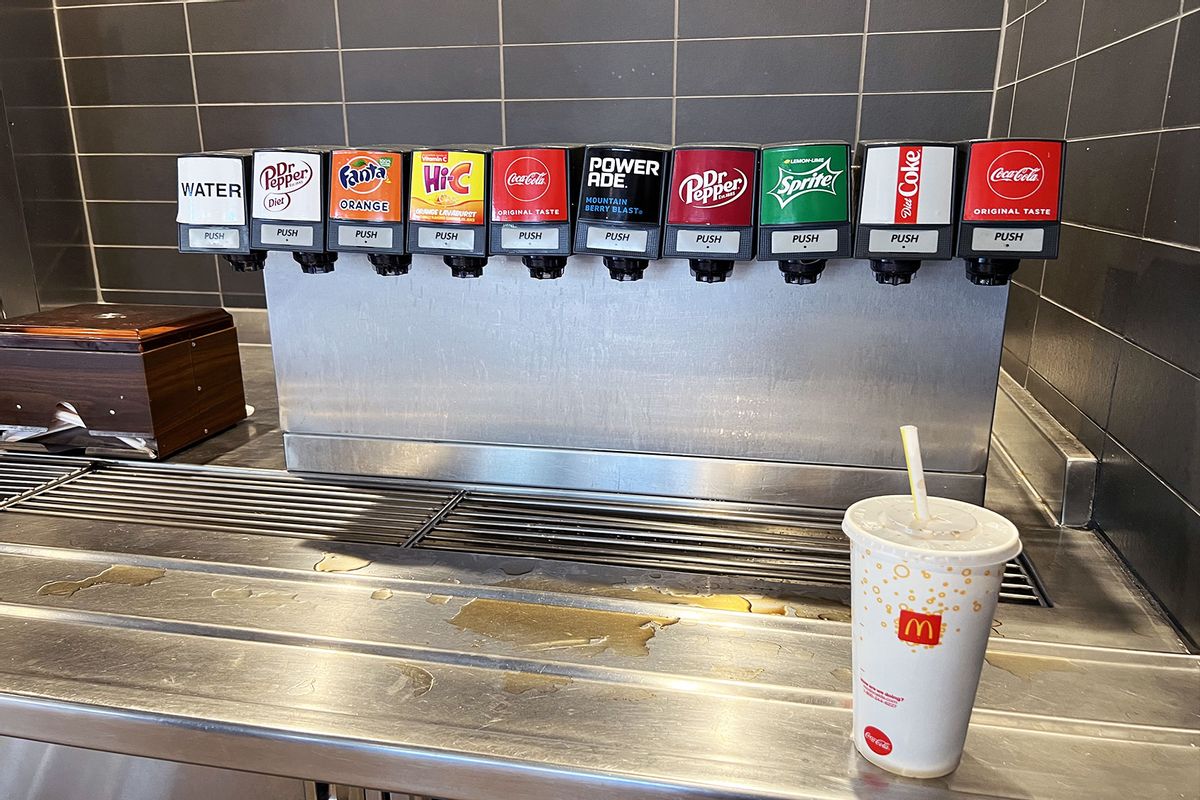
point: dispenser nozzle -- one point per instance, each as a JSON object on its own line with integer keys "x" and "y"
{"x": 801, "y": 272}
{"x": 390, "y": 264}
{"x": 708, "y": 270}
{"x": 315, "y": 263}
{"x": 991, "y": 271}
{"x": 465, "y": 266}
{"x": 894, "y": 271}
{"x": 545, "y": 267}
{"x": 626, "y": 269}
{"x": 253, "y": 261}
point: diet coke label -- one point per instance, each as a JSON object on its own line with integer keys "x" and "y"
{"x": 529, "y": 185}
{"x": 908, "y": 185}
{"x": 712, "y": 186}
{"x": 287, "y": 186}
{"x": 1013, "y": 180}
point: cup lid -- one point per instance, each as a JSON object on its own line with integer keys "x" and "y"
{"x": 957, "y": 533}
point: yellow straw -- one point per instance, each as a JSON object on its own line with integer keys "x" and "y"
{"x": 916, "y": 471}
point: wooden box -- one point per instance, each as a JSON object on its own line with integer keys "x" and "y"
{"x": 144, "y": 380}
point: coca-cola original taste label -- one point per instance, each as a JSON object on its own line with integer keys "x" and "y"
{"x": 530, "y": 185}
{"x": 711, "y": 186}
{"x": 1013, "y": 181}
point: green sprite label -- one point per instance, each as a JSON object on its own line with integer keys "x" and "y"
{"x": 805, "y": 183}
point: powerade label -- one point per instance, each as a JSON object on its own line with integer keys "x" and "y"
{"x": 530, "y": 186}
{"x": 212, "y": 191}
{"x": 623, "y": 184}
{"x": 447, "y": 187}
{"x": 366, "y": 185}
{"x": 908, "y": 185}
{"x": 1014, "y": 181}
{"x": 805, "y": 183}
{"x": 287, "y": 186}
{"x": 711, "y": 186}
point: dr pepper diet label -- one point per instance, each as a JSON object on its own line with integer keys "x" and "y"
{"x": 211, "y": 191}
{"x": 1014, "y": 181}
{"x": 805, "y": 183}
{"x": 908, "y": 185}
{"x": 447, "y": 186}
{"x": 530, "y": 185}
{"x": 712, "y": 186}
{"x": 287, "y": 186}
{"x": 623, "y": 184}
{"x": 366, "y": 185}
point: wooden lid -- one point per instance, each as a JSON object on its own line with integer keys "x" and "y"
{"x": 94, "y": 326}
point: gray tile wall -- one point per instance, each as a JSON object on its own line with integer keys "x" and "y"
{"x": 148, "y": 80}
{"x": 1108, "y": 336}
{"x": 39, "y": 128}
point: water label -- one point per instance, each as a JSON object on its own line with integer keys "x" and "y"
{"x": 211, "y": 191}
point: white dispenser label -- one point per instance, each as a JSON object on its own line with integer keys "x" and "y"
{"x": 1019, "y": 240}
{"x": 211, "y": 191}
{"x": 214, "y": 238}
{"x": 287, "y": 185}
{"x": 362, "y": 236}
{"x": 908, "y": 185}
{"x": 446, "y": 238}
{"x": 526, "y": 237}
{"x": 691, "y": 241}
{"x": 902, "y": 241}
{"x": 622, "y": 239}
{"x": 823, "y": 241}
{"x": 293, "y": 235}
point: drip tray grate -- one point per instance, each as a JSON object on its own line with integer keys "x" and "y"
{"x": 794, "y": 545}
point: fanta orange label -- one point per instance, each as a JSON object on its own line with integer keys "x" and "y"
{"x": 366, "y": 185}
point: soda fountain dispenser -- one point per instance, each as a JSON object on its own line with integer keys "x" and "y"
{"x": 447, "y": 211}
{"x": 804, "y": 207}
{"x": 710, "y": 211}
{"x": 288, "y": 202}
{"x": 1011, "y": 206}
{"x": 214, "y": 207}
{"x": 906, "y": 202}
{"x": 533, "y": 205}
{"x": 366, "y": 206}
{"x": 621, "y": 205}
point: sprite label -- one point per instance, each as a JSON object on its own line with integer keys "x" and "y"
{"x": 805, "y": 183}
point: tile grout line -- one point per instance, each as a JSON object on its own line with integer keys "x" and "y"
{"x": 996, "y": 72}
{"x": 87, "y": 217}
{"x": 1162, "y": 121}
{"x": 675, "y": 79}
{"x": 862, "y": 73}
{"x": 503, "y": 104}
{"x": 187, "y": 30}
{"x": 337, "y": 31}
{"x": 1074, "y": 68}
{"x": 1012, "y": 103}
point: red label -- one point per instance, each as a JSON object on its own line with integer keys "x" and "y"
{"x": 1013, "y": 181}
{"x": 877, "y": 740}
{"x": 908, "y": 184}
{"x": 529, "y": 185}
{"x": 919, "y": 628}
{"x": 712, "y": 187}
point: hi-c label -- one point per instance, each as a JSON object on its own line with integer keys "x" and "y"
{"x": 447, "y": 187}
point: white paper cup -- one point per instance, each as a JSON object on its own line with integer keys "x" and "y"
{"x": 923, "y": 601}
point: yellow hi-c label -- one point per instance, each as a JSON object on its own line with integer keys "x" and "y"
{"x": 447, "y": 187}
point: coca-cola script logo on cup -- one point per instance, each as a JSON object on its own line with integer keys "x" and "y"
{"x": 527, "y": 179}
{"x": 1016, "y": 174}
{"x": 712, "y": 188}
{"x": 877, "y": 740}
{"x": 280, "y": 180}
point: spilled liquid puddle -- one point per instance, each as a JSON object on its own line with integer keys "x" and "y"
{"x": 339, "y": 562}
{"x": 812, "y": 608}
{"x": 542, "y": 628}
{"x": 413, "y": 679}
{"x": 381, "y": 594}
{"x": 533, "y": 684}
{"x": 246, "y": 594}
{"x": 1026, "y": 667}
{"x": 118, "y": 575}
{"x": 437, "y": 599}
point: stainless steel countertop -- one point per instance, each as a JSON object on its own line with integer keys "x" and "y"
{"x": 474, "y": 677}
